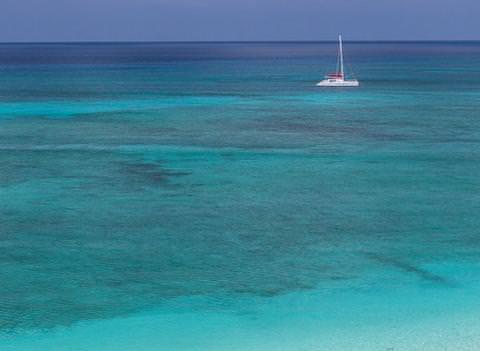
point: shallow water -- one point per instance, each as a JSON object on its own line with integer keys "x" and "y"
{"x": 212, "y": 192}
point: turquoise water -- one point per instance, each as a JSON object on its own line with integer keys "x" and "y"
{"x": 210, "y": 197}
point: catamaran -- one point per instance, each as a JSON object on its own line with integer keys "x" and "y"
{"x": 337, "y": 79}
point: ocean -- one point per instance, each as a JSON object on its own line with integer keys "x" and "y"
{"x": 209, "y": 197}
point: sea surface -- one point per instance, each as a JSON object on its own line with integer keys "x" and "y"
{"x": 208, "y": 197}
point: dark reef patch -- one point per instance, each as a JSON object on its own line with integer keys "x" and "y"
{"x": 148, "y": 173}
{"x": 408, "y": 268}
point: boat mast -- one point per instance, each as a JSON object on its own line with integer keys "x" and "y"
{"x": 341, "y": 54}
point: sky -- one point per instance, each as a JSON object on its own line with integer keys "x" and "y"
{"x": 224, "y": 20}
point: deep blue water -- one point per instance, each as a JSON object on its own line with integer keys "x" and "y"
{"x": 204, "y": 176}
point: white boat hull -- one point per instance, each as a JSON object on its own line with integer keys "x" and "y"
{"x": 338, "y": 83}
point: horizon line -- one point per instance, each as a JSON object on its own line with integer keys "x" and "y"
{"x": 240, "y": 41}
